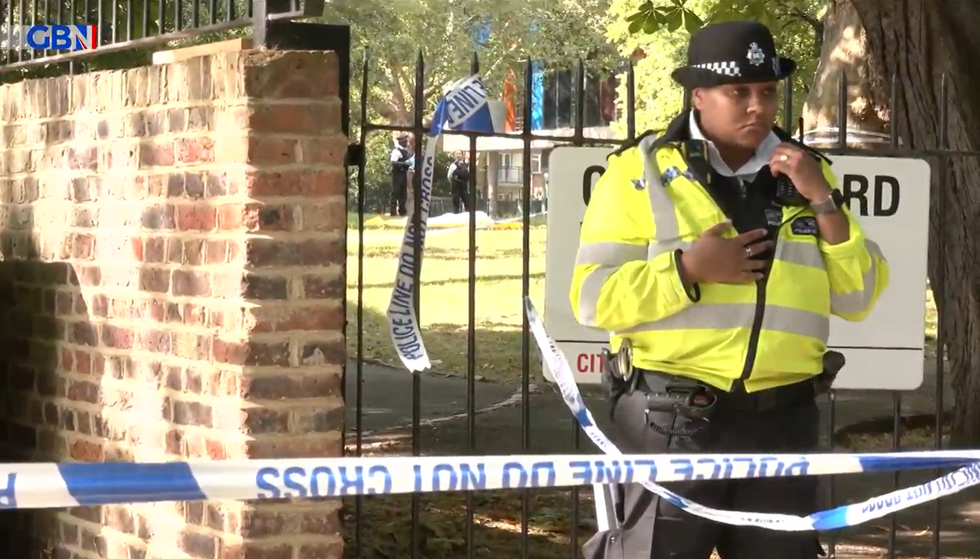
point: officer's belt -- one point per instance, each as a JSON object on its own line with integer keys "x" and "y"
{"x": 780, "y": 397}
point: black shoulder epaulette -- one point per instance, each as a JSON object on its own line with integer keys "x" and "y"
{"x": 787, "y": 137}
{"x": 630, "y": 144}
{"x": 677, "y": 131}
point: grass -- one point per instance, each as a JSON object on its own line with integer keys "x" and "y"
{"x": 386, "y": 525}
{"x": 444, "y": 298}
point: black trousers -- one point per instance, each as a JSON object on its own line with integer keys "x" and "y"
{"x": 653, "y": 529}
{"x": 399, "y": 194}
{"x": 461, "y": 199}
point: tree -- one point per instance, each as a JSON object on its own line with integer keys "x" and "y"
{"x": 844, "y": 54}
{"x": 502, "y": 32}
{"x": 656, "y": 33}
{"x": 918, "y": 42}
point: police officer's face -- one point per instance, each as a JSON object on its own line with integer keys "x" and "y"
{"x": 739, "y": 115}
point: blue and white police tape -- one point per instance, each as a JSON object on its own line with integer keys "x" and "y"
{"x": 30, "y": 486}
{"x": 847, "y": 515}
{"x": 463, "y": 108}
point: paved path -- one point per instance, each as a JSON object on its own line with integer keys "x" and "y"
{"x": 387, "y": 412}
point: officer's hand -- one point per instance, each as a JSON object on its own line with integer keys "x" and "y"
{"x": 716, "y": 259}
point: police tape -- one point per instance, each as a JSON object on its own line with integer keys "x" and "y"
{"x": 464, "y": 108}
{"x": 31, "y": 486}
{"x": 847, "y": 515}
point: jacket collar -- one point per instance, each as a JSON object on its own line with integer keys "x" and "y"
{"x": 681, "y": 129}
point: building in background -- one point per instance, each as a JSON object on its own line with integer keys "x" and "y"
{"x": 499, "y": 165}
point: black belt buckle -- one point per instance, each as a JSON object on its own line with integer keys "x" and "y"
{"x": 693, "y": 401}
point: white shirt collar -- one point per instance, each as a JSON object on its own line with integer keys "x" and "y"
{"x": 746, "y": 172}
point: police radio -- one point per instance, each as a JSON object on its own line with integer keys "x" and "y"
{"x": 787, "y": 195}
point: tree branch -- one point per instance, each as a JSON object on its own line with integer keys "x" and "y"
{"x": 397, "y": 91}
{"x": 816, "y": 24}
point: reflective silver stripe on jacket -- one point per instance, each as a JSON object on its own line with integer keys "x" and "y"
{"x": 796, "y": 252}
{"x": 720, "y": 316}
{"x": 611, "y": 256}
{"x": 800, "y": 252}
{"x": 858, "y": 301}
{"x": 664, "y": 216}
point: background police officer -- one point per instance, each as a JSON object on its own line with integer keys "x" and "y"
{"x": 402, "y": 160}
{"x": 718, "y": 252}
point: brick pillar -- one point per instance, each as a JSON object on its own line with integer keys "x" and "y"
{"x": 172, "y": 288}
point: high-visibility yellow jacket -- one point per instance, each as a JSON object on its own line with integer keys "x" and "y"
{"x": 643, "y": 209}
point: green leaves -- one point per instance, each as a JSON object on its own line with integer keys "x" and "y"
{"x": 650, "y": 18}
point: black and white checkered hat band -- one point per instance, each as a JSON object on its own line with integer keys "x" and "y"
{"x": 723, "y": 68}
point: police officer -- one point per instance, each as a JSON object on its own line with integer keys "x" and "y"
{"x": 402, "y": 160}
{"x": 715, "y": 255}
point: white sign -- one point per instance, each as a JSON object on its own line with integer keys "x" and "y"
{"x": 890, "y": 197}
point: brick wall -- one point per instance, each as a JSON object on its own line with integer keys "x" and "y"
{"x": 171, "y": 288}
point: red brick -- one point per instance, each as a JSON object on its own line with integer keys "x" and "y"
{"x": 157, "y": 341}
{"x": 268, "y": 354}
{"x": 308, "y": 318}
{"x": 119, "y": 518}
{"x": 156, "y": 154}
{"x": 159, "y": 216}
{"x": 117, "y": 337}
{"x": 271, "y": 151}
{"x": 293, "y": 119}
{"x": 321, "y": 420}
{"x": 198, "y": 545}
{"x": 230, "y": 352}
{"x": 323, "y": 286}
{"x": 85, "y": 451}
{"x": 331, "y": 150}
{"x": 263, "y": 253}
{"x": 83, "y": 246}
{"x": 194, "y": 252}
{"x": 83, "y": 391}
{"x": 266, "y": 420}
{"x": 328, "y": 182}
{"x": 191, "y": 284}
{"x": 196, "y": 149}
{"x": 288, "y": 387}
{"x": 216, "y": 251}
{"x": 307, "y": 446}
{"x": 327, "y": 216}
{"x": 89, "y": 276}
{"x": 196, "y": 217}
{"x": 155, "y": 280}
{"x": 230, "y": 216}
{"x": 192, "y": 413}
{"x": 294, "y": 75}
{"x": 260, "y": 217}
{"x": 154, "y": 249}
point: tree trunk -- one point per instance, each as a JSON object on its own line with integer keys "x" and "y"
{"x": 919, "y": 42}
{"x": 844, "y": 52}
